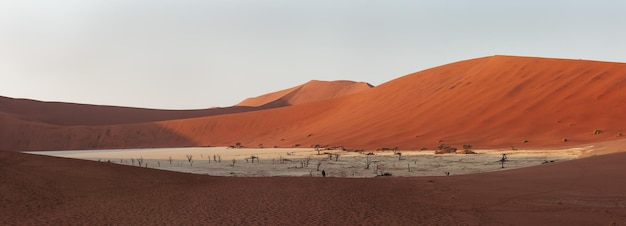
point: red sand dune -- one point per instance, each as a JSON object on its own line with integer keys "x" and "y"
{"x": 490, "y": 102}
{"x": 42, "y": 190}
{"x": 309, "y": 92}
{"x": 70, "y": 114}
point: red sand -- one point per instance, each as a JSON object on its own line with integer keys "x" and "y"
{"x": 70, "y": 114}
{"x": 490, "y": 102}
{"x": 42, "y": 190}
{"x": 309, "y": 92}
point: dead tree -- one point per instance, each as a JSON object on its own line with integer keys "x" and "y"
{"x": 395, "y": 152}
{"x": 233, "y": 165}
{"x": 367, "y": 162}
{"x": 170, "y": 160}
{"x": 319, "y": 163}
{"x": 190, "y": 159}
{"x": 503, "y": 159}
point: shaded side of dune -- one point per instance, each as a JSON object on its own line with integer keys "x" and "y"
{"x": 47, "y": 190}
{"x": 18, "y": 135}
{"x": 70, "y": 114}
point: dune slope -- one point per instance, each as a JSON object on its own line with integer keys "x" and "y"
{"x": 494, "y": 101}
{"x": 490, "y": 102}
{"x": 70, "y": 114}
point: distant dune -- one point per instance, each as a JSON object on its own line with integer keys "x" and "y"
{"x": 70, "y": 114}
{"x": 489, "y": 102}
{"x": 309, "y": 92}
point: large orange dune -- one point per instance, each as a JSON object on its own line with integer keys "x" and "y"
{"x": 489, "y": 102}
{"x": 42, "y": 190}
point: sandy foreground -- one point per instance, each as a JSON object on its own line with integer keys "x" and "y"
{"x": 45, "y": 190}
{"x": 306, "y": 162}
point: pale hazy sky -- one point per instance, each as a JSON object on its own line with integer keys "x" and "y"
{"x": 198, "y": 54}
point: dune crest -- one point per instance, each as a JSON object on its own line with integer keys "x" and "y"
{"x": 311, "y": 91}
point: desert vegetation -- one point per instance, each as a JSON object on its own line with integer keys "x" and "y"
{"x": 318, "y": 148}
{"x": 503, "y": 159}
{"x": 305, "y": 162}
{"x": 140, "y": 161}
{"x": 467, "y": 149}
{"x": 445, "y": 149}
{"x": 399, "y": 154}
{"x": 190, "y": 159}
{"x": 252, "y": 158}
{"x": 237, "y": 145}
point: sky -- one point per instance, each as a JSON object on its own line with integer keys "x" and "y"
{"x": 195, "y": 54}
